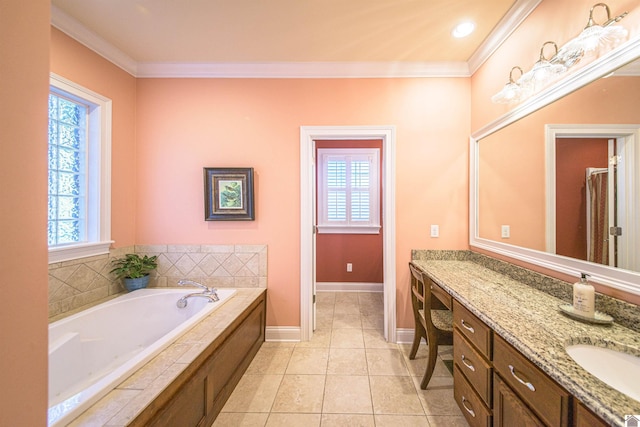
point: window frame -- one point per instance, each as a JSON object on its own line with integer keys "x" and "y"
{"x": 324, "y": 226}
{"x": 98, "y": 232}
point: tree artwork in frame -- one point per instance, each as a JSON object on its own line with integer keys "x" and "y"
{"x": 228, "y": 194}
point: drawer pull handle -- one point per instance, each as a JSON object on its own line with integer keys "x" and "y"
{"x": 468, "y": 328}
{"x": 525, "y": 383}
{"x": 467, "y": 364}
{"x": 469, "y": 410}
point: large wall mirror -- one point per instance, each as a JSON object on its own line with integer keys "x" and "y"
{"x": 556, "y": 181}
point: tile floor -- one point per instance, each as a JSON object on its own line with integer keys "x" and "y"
{"x": 347, "y": 375}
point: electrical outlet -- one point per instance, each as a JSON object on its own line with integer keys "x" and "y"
{"x": 435, "y": 230}
{"x": 505, "y": 232}
{"x": 349, "y": 267}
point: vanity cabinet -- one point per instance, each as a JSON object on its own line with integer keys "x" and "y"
{"x": 197, "y": 396}
{"x": 494, "y": 384}
{"x": 472, "y": 373}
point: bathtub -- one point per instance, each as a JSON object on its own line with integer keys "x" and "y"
{"x": 93, "y": 351}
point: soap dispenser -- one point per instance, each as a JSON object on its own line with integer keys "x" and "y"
{"x": 584, "y": 297}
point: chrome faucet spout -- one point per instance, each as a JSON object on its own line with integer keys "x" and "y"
{"x": 207, "y": 291}
{"x": 182, "y": 302}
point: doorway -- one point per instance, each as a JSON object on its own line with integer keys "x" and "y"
{"x": 308, "y": 136}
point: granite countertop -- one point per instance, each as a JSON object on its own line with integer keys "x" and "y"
{"x": 122, "y": 404}
{"x": 529, "y": 319}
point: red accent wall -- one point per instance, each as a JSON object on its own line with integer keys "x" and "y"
{"x": 575, "y": 154}
{"x": 364, "y": 251}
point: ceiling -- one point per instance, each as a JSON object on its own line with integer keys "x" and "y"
{"x": 146, "y": 35}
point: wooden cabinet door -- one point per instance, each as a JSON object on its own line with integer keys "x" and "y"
{"x": 508, "y": 409}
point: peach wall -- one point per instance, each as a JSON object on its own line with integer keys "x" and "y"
{"x": 553, "y": 20}
{"x": 184, "y": 125}
{"x": 75, "y": 62}
{"x": 24, "y": 87}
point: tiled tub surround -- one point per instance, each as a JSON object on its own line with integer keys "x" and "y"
{"x": 123, "y": 404}
{"x": 521, "y": 307}
{"x": 84, "y": 282}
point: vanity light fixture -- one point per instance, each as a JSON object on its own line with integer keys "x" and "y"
{"x": 511, "y": 92}
{"x": 543, "y": 71}
{"x": 594, "y": 37}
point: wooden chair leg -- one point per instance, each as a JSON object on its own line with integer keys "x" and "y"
{"x": 417, "y": 337}
{"x": 431, "y": 363}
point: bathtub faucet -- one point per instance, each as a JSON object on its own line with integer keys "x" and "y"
{"x": 210, "y": 292}
{"x": 182, "y": 302}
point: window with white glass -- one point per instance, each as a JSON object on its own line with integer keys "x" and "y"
{"x": 79, "y": 200}
{"x": 349, "y": 190}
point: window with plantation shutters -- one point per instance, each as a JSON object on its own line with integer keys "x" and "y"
{"x": 349, "y": 190}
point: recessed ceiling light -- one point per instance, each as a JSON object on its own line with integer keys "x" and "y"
{"x": 463, "y": 29}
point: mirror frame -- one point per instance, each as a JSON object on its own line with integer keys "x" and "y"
{"x": 624, "y": 280}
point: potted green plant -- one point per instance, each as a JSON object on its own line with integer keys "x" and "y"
{"x": 134, "y": 270}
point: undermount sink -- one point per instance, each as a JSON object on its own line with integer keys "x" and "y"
{"x": 618, "y": 369}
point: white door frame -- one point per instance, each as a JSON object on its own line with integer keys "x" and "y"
{"x": 308, "y": 134}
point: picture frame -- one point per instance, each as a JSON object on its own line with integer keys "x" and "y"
{"x": 228, "y": 194}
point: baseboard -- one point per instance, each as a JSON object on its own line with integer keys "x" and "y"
{"x": 349, "y": 287}
{"x": 282, "y": 333}
{"x": 404, "y": 335}
{"x": 292, "y": 334}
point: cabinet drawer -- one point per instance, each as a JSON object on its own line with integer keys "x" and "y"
{"x": 473, "y": 329}
{"x": 469, "y": 402}
{"x": 441, "y": 294}
{"x": 473, "y": 366}
{"x": 509, "y": 410}
{"x": 546, "y": 398}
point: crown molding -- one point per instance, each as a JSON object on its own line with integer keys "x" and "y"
{"x": 74, "y": 29}
{"x": 85, "y": 36}
{"x": 520, "y": 10}
{"x": 304, "y": 70}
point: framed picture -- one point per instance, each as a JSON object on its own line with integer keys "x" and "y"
{"x": 228, "y": 194}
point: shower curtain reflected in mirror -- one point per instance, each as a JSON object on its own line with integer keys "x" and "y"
{"x": 597, "y": 216}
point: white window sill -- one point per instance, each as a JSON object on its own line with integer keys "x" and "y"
{"x": 352, "y": 229}
{"x": 71, "y": 252}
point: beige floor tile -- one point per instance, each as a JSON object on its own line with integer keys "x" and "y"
{"x": 300, "y": 393}
{"x": 347, "y": 338}
{"x": 347, "y": 361}
{"x": 347, "y": 298}
{"x": 418, "y": 365}
{"x": 386, "y": 361}
{"x": 325, "y": 298}
{"x": 373, "y": 321}
{"x": 447, "y": 421}
{"x": 241, "y": 419}
{"x": 321, "y": 338}
{"x": 401, "y": 420}
{"x": 395, "y": 395}
{"x": 341, "y": 320}
{"x": 438, "y": 399}
{"x": 254, "y": 393}
{"x": 325, "y": 323}
{"x": 346, "y": 308}
{"x": 270, "y": 360}
{"x": 308, "y": 361}
{"x": 347, "y": 394}
{"x": 347, "y": 420}
{"x": 293, "y": 420}
{"x": 373, "y": 338}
